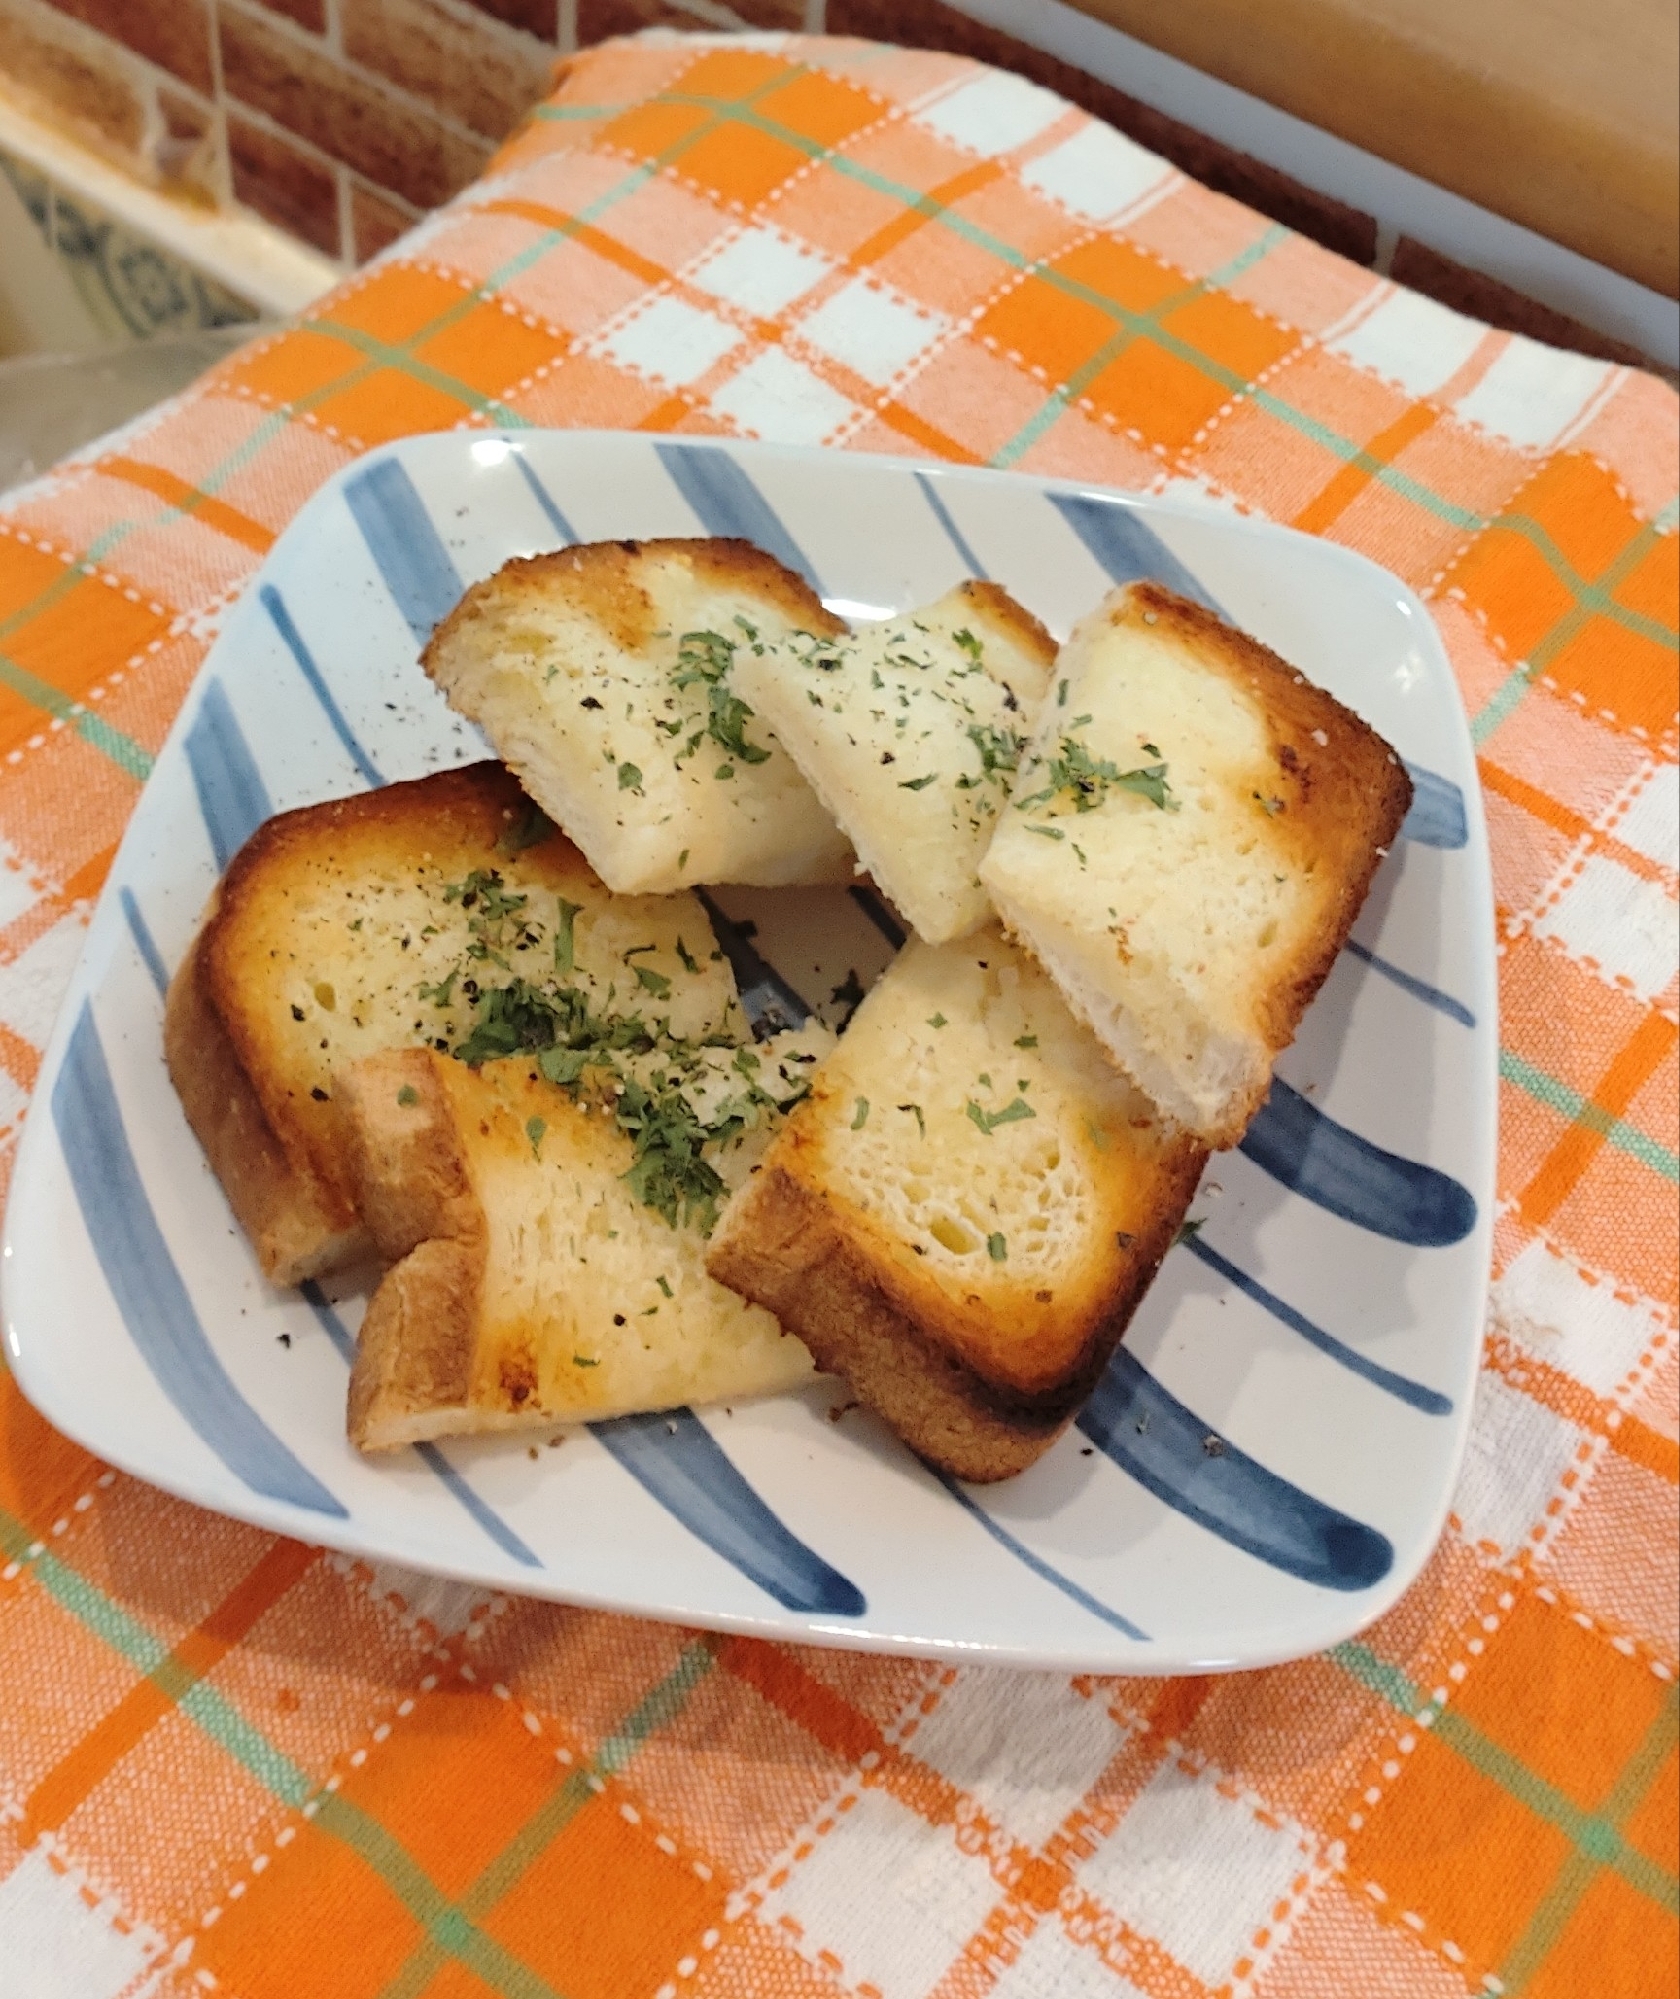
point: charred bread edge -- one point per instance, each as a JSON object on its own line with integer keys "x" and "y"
{"x": 414, "y": 1359}
{"x": 298, "y": 1226}
{"x": 785, "y": 1249}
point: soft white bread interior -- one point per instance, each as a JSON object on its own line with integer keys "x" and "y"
{"x": 962, "y": 1215}
{"x": 602, "y": 676}
{"x": 530, "y": 1284}
{"x": 386, "y": 920}
{"x": 909, "y": 731}
{"x": 1192, "y": 833}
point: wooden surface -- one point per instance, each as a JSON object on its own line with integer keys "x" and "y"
{"x": 1560, "y": 114}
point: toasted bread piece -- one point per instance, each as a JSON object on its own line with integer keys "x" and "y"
{"x": 334, "y": 935}
{"x": 529, "y": 1284}
{"x": 965, "y": 1211}
{"x": 1190, "y": 840}
{"x": 601, "y": 674}
{"x": 909, "y": 731}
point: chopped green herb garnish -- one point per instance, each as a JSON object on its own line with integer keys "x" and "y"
{"x": 1087, "y": 780}
{"x": 652, "y": 981}
{"x": 704, "y": 659}
{"x": 860, "y": 1116}
{"x": 1188, "y": 1231}
{"x": 918, "y": 783}
{"x": 689, "y": 962}
{"x": 1026, "y": 1041}
{"x": 629, "y": 777}
{"x": 564, "y": 946}
{"x": 968, "y": 642}
{"x": 1048, "y": 832}
{"x": 534, "y": 1129}
{"x": 1000, "y": 749}
{"x": 583, "y": 1360}
{"x": 988, "y": 1121}
{"x": 997, "y": 1247}
{"x": 936, "y": 1020}
{"x": 408, "y": 1095}
{"x": 665, "y": 1286}
{"x": 915, "y": 1111}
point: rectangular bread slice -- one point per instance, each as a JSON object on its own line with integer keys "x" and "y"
{"x": 386, "y": 920}
{"x": 964, "y": 1213}
{"x": 530, "y": 1284}
{"x": 601, "y": 674}
{"x": 909, "y": 732}
{"x": 1191, "y": 837}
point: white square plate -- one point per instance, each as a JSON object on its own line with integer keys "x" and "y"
{"x": 1267, "y": 1463}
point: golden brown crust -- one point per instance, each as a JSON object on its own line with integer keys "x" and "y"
{"x": 1340, "y": 792}
{"x": 787, "y": 1252}
{"x": 298, "y": 1223}
{"x": 418, "y": 1340}
{"x": 997, "y": 608}
{"x": 281, "y": 1157}
{"x": 1026, "y": 1344}
{"x": 603, "y": 578}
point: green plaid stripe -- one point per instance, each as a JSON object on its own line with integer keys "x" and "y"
{"x": 1583, "y": 1111}
{"x": 452, "y": 1928}
{"x": 656, "y": 1711}
{"x": 1594, "y": 600}
{"x": 1130, "y": 326}
{"x": 1595, "y": 1836}
{"x": 1142, "y": 325}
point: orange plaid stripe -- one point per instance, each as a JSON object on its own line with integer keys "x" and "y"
{"x": 528, "y": 1800}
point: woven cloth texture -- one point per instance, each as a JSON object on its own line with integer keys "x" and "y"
{"x": 230, "y": 1763}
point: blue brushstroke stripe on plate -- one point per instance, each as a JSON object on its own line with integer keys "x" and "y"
{"x": 275, "y": 605}
{"x": 1321, "y": 1160}
{"x": 231, "y": 794}
{"x": 544, "y": 499}
{"x": 1126, "y": 546}
{"x": 953, "y": 534}
{"x": 728, "y": 503}
{"x": 486, "y": 1516}
{"x": 148, "y": 1289}
{"x": 1437, "y": 817}
{"x": 1040, "y": 1568}
{"x": 1418, "y": 988}
{"x": 693, "y": 1478}
{"x": 767, "y": 999}
{"x": 1153, "y": 1438}
{"x": 418, "y": 570}
{"x": 1413, "y": 1393}
{"x": 875, "y": 908}
{"x": 144, "y": 942}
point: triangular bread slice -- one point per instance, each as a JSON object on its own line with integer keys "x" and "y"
{"x": 964, "y": 1213}
{"x": 348, "y": 928}
{"x": 602, "y": 676}
{"x": 530, "y": 1284}
{"x": 909, "y": 731}
{"x": 1191, "y": 837}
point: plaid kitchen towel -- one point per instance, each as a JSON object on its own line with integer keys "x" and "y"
{"x": 230, "y": 1763}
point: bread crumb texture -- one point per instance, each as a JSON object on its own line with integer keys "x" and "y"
{"x": 991, "y": 1171}
{"x": 1192, "y": 832}
{"x": 532, "y": 1283}
{"x": 602, "y": 675}
{"x": 910, "y": 730}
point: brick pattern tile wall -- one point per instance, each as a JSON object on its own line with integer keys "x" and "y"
{"x": 342, "y": 121}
